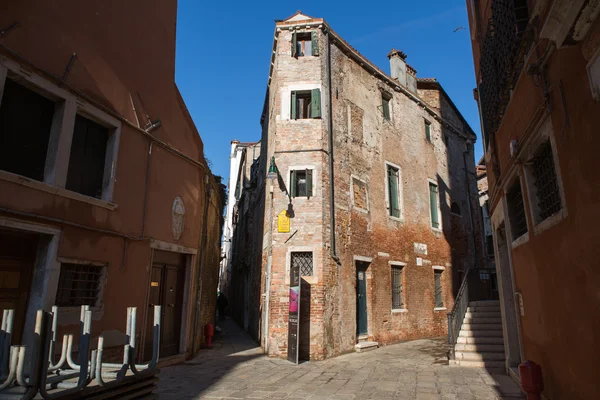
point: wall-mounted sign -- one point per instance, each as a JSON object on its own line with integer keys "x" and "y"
{"x": 283, "y": 222}
{"x": 294, "y": 314}
{"x": 153, "y": 284}
{"x": 419, "y": 261}
{"x": 420, "y": 248}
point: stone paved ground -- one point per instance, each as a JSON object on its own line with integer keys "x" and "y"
{"x": 236, "y": 369}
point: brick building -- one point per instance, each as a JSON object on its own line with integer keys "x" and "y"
{"x": 538, "y": 72}
{"x": 377, "y": 175}
{"x": 106, "y": 199}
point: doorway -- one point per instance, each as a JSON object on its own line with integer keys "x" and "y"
{"x": 17, "y": 259}
{"x": 362, "y": 325}
{"x": 166, "y": 290}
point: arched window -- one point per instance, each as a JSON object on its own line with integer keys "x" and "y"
{"x": 454, "y": 208}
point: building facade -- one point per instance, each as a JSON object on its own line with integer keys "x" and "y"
{"x": 106, "y": 199}
{"x": 537, "y": 65}
{"x": 372, "y": 197}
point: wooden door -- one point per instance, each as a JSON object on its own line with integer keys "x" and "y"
{"x": 17, "y": 257}
{"x": 154, "y": 299}
{"x": 361, "y": 299}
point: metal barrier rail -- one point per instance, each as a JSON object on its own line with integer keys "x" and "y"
{"x": 54, "y": 380}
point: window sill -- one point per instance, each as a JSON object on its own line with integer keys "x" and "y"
{"x": 44, "y": 187}
{"x": 360, "y": 210}
{"x": 440, "y": 309}
{"x": 399, "y": 310}
{"x": 397, "y": 219}
{"x": 550, "y": 221}
{"x": 524, "y": 238}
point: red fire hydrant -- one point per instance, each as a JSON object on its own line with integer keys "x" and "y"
{"x": 209, "y": 332}
{"x": 532, "y": 382}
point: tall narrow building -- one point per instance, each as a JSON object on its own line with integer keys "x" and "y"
{"x": 372, "y": 199}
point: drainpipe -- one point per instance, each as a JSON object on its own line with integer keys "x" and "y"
{"x": 268, "y": 276}
{"x": 330, "y": 136}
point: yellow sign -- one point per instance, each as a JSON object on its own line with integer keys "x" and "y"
{"x": 283, "y": 222}
{"x": 153, "y": 283}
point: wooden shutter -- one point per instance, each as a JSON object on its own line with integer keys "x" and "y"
{"x": 293, "y": 184}
{"x": 393, "y": 192}
{"x": 315, "y": 103}
{"x": 428, "y": 131}
{"x": 294, "y": 42}
{"x": 294, "y": 104}
{"x": 309, "y": 182}
{"x": 314, "y": 35}
{"x": 433, "y": 205}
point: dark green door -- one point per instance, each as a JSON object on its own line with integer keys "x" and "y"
{"x": 361, "y": 299}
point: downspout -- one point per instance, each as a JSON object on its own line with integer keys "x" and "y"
{"x": 330, "y": 137}
{"x": 268, "y": 275}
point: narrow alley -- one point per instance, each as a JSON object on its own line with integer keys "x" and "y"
{"x": 236, "y": 368}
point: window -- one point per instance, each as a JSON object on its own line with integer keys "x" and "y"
{"x": 516, "y": 211}
{"x": 306, "y": 104}
{"x": 455, "y": 208}
{"x": 79, "y": 285}
{"x": 489, "y": 244}
{"x": 87, "y": 161}
{"x": 434, "y": 205}
{"x": 393, "y": 186}
{"x": 428, "y": 131}
{"x": 303, "y": 260}
{"x": 25, "y": 124}
{"x": 547, "y": 195}
{"x": 397, "y": 295}
{"x": 385, "y": 106}
{"x": 437, "y": 281}
{"x": 305, "y": 44}
{"x": 301, "y": 183}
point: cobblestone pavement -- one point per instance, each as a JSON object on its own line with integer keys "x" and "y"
{"x": 236, "y": 369}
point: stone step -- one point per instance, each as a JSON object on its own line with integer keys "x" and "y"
{"x": 485, "y": 356}
{"x": 479, "y": 347}
{"x": 480, "y": 333}
{"x": 480, "y": 340}
{"x": 480, "y": 364}
{"x": 365, "y": 346}
{"x": 481, "y": 314}
{"x": 494, "y": 309}
{"x": 481, "y": 320}
{"x": 484, "y": 303}
{"x": 481, "y": 327}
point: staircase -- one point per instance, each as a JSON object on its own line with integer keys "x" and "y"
{"x": 480, "y": 342}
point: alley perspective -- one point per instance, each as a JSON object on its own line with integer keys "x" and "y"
{"x": 383, "y": 233}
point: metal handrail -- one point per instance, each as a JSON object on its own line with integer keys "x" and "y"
{"x": 457, "y": 314}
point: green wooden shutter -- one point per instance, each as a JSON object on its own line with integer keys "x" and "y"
{"x": 315, "y": 103}
{"x": 433, "y": 205}
{"x": 294, "y": 47}
{"x": 315, "y": 43}
{"x": 428, "y": 131}
{"x": 393, "y": 192}
{"x": 293, "y": 115}
{"x": 293, "y": 184}
{"x": 309, "y": 182}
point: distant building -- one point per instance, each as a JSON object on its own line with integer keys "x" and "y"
{"x": 537, "y": 65}
{"x": 377, "y": 177}
{"x": 106, "y": 199}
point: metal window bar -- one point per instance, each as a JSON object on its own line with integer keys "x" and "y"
{"x": 304, "y": 261}
{"x": 439, "y": 302}
{"x": 544, "y": 174}
{"x": 79, "y": 284}
{"x": 516, "y": 211}
{"x": 397, "y": 295}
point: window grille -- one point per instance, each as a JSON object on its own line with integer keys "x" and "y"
{"x": 544, "y": 175}
{"x": 304, "y": 262}
{"x": 78, "y": 285}
{"x": 516, "y": 211}
{"x": 439, "y": 301}
{"x": 397, "y": 295}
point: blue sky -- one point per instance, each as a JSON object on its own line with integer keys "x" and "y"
{"x": 224, "y": 49}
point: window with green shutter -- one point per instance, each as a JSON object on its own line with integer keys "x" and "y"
{"x": 433, "y": 205}
{"x": 301, "y": 183}
{"x": 428, "y": 131}
{"x": 393, "y": 175}
{"x": 305, "y": 104}
{"x": 437, "y": 280}
{"x": 305, "y": 44}
{"x": 385, "y": 104}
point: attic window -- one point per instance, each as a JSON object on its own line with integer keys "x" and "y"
{"x": 305, "y": 44}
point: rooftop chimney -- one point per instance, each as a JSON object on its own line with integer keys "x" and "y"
{"x": 398, "y": 65}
